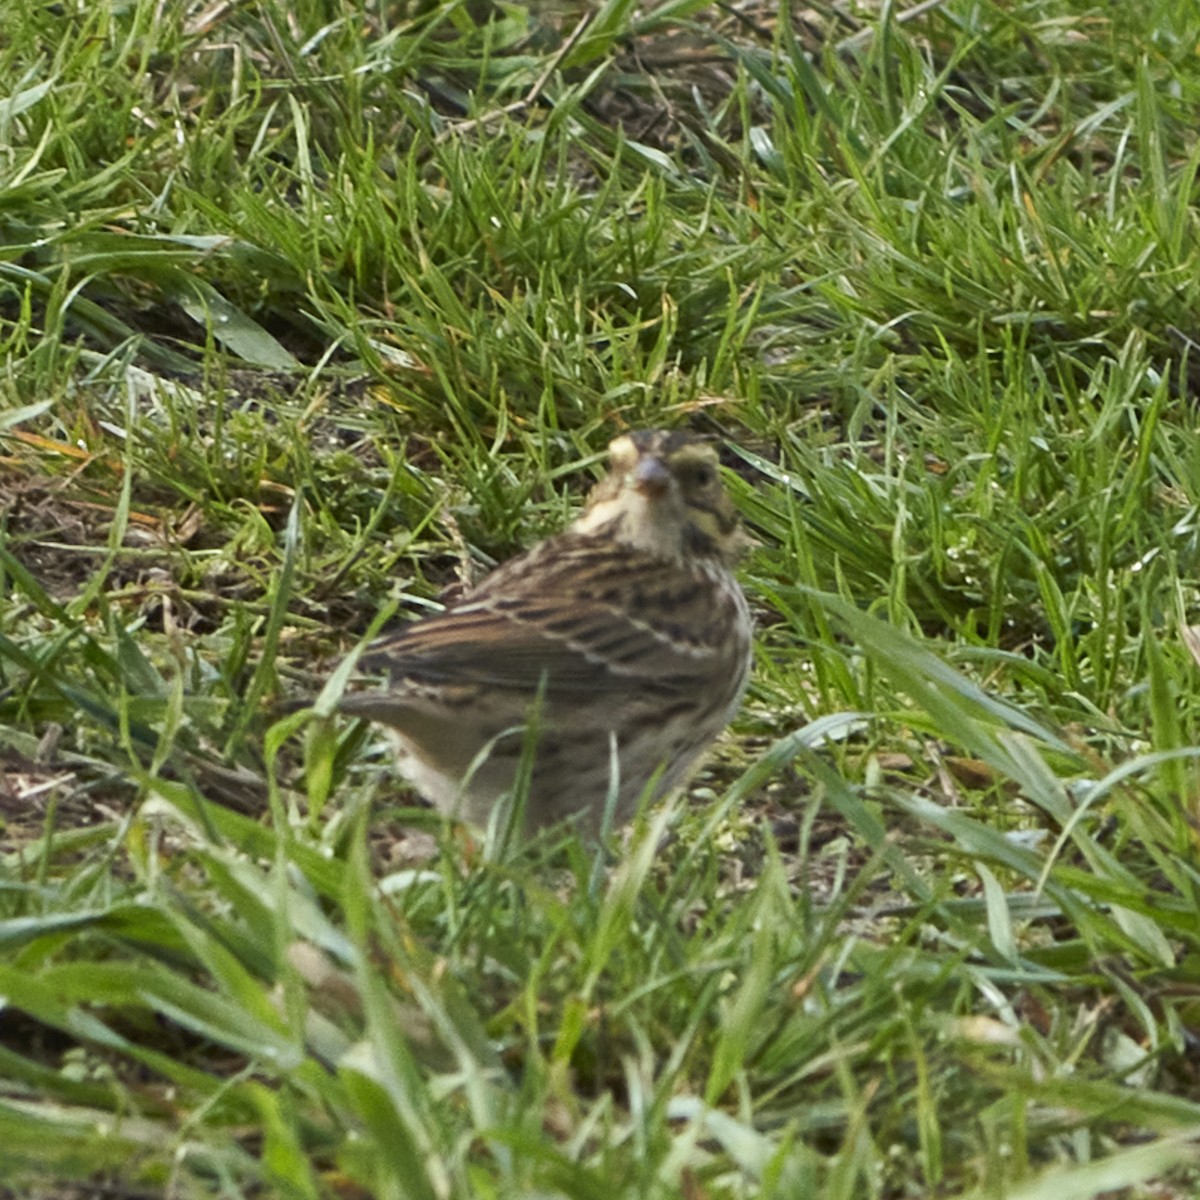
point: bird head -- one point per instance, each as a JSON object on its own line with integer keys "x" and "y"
{"x": 664, "y": 494}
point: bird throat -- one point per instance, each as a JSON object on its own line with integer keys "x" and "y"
{"x": 654, "y": 525}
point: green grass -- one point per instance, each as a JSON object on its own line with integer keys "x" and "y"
{"x": 309, "y": 312}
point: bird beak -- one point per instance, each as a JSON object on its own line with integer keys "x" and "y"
{"x": 650, "y": 477}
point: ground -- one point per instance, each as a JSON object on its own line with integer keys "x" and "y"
{"x": 313, "y": 312}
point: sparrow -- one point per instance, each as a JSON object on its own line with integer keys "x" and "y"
{"x": 612, "y": 653}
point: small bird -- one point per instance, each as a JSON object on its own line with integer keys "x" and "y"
{"x": 625, "y": 641}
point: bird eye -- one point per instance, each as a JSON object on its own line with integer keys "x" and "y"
{"x": 697, "y": 475}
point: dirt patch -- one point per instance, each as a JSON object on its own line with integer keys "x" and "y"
{"x": 37, "y": 799}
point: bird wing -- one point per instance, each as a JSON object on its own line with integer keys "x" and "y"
{"x": 576, "y": 617}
